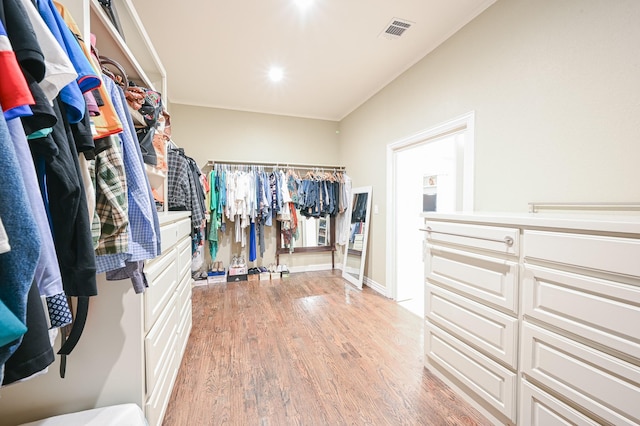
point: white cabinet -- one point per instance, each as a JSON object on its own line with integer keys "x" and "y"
{"x": 534, "y": 318}
{"x": 131, "y": 347}
{"x": 471, "y": 307}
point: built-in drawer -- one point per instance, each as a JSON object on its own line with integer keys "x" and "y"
{"x": 490, "y": 381}
{"x": 162, "y": 276}
{"x": 538, "y": 408}
{"x": 605, "y": 312}
{"x": 602, "y": 384}
{"x": 156, "y": 404}
{"x": 608, "y": 254}
{"x": 490, "y": 331}
{"x": 184, "y": 228}
{"x": 184, "y": 256}
{"x": 159, "y": 343}
{"x": 486, "y": 278}
{"x": 493, "y": 238}
{"x": 168, "y": 236}
{"x": 184, "y": 330}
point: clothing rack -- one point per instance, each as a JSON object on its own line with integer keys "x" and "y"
{"x": 284, "y": 165}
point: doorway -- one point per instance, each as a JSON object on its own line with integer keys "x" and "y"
{"x": 429, "y": 171}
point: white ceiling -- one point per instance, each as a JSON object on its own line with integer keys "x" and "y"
{"x": 217, "y": 52}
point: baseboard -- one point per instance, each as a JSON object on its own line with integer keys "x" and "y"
{"x": 377, "y": 287}
{"x": 310, "y": 268}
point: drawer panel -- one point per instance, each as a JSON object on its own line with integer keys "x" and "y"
{"x": 160, "y": 343}
{"x": 486, "y": 278}
{"x": 541, "y": 409}
{"x": 486, "y": 329}
{"x": 491, "y": 238}
{"x": 169, "y": 236}
{"x": 609, "y": 254}
{"x": 184, "y": 330}
{"x": 604, "y": 385}
{"x": 603, "y": 311}
{"x": 492, "y": 382}
{"x": 162, "y": 285}
{"x": 157, "y": 402}
{"x": 184, "y": 228}
{"x": 184, "y": 256}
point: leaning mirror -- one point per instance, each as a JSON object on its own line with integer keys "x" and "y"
{"x": 356, "y": 249}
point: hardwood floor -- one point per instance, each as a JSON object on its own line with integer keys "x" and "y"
{"x": 307, "y": 350}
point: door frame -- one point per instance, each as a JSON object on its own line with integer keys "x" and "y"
{"x": 466, "y": 123}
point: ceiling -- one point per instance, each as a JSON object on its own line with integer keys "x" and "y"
{"x": 217, "y": 53}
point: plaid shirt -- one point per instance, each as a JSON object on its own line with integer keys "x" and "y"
{"x": 144, "y": 235}
{"x": 111, "y": 201}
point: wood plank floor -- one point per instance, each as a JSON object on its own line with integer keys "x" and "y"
{"x": 307, "y": 350}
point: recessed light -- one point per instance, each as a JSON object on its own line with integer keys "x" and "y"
{"x": 276, "y": 74}
{"x": 303, "y": 4}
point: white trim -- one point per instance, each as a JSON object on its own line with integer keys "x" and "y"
{"x": 465, "y": 122}
{"x": 377, "y": 287}
{"x": 310, "y": 268}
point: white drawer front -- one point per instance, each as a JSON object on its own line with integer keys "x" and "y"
{"x": 603, "y": 311}
{"x": 609, "y": 254}
{"x": 159, "y": 344}
{"x": 163, "y": 279}
{"x": 493, "y": 238}
{"x": 486, "y": 278}
{"x": 168, "y": 235}
{"x": 184, "y": 256}
{"x": 490, "y": 331}
{"x": 606, "y": 386}
{"x": 157, "y": 402}
{"x": 184, "y": 228}
{"x": 184, "y": 290}
{"x": 184, "y": 330}
{"x": 541, "y": 409}
{"x": 492, "y": 382}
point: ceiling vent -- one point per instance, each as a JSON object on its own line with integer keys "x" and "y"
{"x": 396, "y": 28}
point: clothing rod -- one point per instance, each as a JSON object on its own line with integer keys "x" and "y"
{"x": 279, "y": 164}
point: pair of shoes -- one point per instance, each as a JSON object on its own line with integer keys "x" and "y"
{"x": 252, "y": 271}
{"x": 273, "y": 268}
{"x": 217, "y": 266}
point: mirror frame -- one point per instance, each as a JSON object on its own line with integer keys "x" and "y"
{"x": 363, "y": 254}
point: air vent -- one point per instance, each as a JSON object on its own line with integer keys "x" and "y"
{"x": 396, "y": 28}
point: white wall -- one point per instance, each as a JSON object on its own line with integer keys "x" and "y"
{"x": 556, "y": 90}
{"x": 226, "y": 135}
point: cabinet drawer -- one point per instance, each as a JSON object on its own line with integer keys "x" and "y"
{"x": 486, "y": 278}
{"x": 184, "y": 228}
{"x": 163, "y": 279}
{"x": 160, "y": 343}
{"x": 168, "y": 235}
{"x": 493, "y": 238}
{"x": 492, "y": 382}
{"x": 184, "y": 330}
{"x": 609, "y": 254}
{"x": 486, "y": 329}
{"x": 541, "y": 409}
{"x": 603, "y": 311}
{"x": 184, "y": 256}
{"x": 157, "y": 402}
{"x": 604, "y": 385}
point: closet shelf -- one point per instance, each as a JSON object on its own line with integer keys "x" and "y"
{"x": 136, "y": 55}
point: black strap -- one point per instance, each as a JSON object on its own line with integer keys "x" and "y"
{"x": 78, "y": 326}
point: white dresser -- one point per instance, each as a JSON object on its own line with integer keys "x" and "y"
{"x": 132, "y": 345}
{"x": 535, "y": 319}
